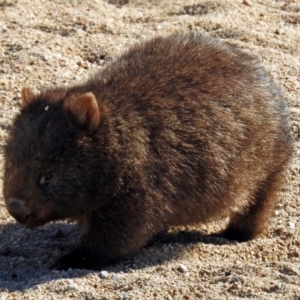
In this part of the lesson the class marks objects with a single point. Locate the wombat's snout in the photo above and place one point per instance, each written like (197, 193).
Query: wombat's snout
(18, 210)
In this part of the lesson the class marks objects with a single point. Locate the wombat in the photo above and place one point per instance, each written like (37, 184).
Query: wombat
(178, 130)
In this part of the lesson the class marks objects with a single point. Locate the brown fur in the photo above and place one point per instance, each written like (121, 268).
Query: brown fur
(178, 130)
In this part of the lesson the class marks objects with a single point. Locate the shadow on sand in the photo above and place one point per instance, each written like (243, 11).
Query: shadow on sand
(26, 256)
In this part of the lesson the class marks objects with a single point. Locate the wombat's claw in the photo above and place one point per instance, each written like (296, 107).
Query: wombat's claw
(60, 265)
(71, 260)
(78, 260)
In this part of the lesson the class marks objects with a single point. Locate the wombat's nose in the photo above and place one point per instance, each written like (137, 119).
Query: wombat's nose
(17, 209)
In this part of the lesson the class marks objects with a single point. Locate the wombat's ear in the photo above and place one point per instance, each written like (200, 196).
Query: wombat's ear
(84, 109)
(27, 96)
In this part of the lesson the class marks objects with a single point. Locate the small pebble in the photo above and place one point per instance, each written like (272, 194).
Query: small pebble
(45, 57)
(182, 268)
(103, 274)
(139, 15)
(247, 2)
(278, 285)
(71, 287)
(291, 225)
(117, 277)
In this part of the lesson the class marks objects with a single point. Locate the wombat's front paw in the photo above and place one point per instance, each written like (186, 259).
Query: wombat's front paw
(76, 260)
(71, 260)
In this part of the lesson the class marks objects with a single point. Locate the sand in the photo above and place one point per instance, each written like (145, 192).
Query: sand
(44, 43)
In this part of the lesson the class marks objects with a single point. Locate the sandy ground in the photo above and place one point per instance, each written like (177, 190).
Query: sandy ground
(45, 42)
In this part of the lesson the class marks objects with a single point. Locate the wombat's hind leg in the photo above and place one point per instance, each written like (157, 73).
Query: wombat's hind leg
(250, 223)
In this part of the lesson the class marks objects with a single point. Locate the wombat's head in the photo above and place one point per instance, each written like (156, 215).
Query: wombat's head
(49, 157)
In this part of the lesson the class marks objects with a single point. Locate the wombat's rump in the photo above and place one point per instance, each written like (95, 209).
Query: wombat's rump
(179, 130)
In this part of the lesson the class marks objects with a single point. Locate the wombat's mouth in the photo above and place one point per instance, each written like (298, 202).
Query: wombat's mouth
(33, 221)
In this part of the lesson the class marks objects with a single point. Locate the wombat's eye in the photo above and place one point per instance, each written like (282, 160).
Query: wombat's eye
(46, 178)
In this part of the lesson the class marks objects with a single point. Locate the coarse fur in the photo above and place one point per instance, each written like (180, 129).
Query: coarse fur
(179, 130)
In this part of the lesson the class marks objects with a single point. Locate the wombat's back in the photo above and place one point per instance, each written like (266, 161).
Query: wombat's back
(201, 125)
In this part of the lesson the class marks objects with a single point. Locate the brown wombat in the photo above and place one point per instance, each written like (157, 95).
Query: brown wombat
(179, 130)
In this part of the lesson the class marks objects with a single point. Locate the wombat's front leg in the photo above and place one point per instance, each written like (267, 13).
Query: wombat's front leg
(90, 254)
(110, 236)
